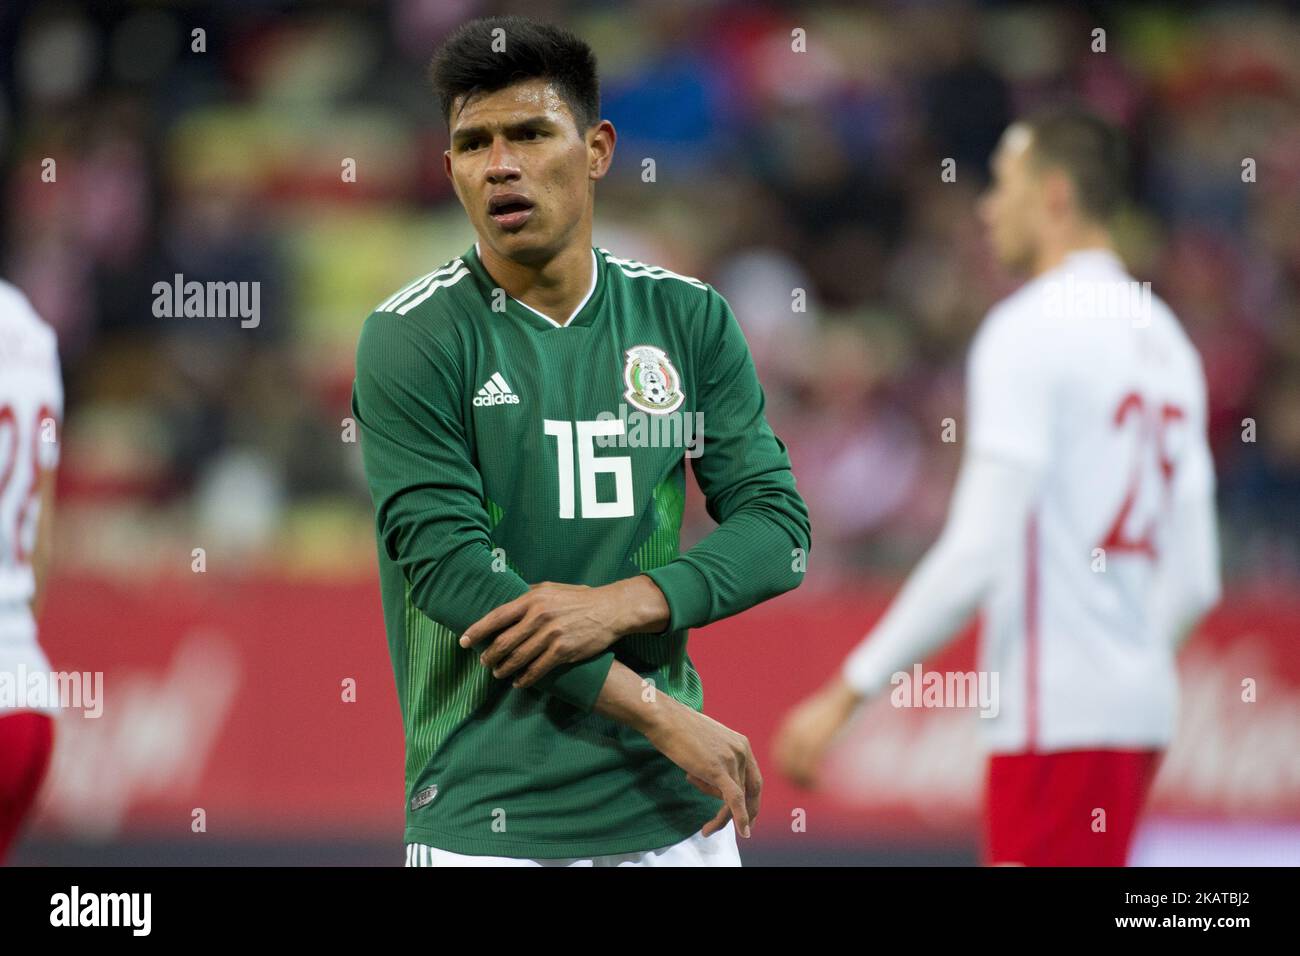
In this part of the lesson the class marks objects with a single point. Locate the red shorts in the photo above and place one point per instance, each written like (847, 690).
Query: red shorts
(1076, 808)
(26, 741)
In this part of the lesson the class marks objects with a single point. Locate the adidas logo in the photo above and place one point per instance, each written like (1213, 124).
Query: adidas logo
(495, 392)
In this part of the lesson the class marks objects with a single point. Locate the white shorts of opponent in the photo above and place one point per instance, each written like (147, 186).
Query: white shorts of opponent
(717, 850)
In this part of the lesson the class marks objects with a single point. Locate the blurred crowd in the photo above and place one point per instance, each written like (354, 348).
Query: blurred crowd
(212, 140)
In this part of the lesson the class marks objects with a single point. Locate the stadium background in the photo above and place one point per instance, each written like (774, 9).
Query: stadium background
(774, 170)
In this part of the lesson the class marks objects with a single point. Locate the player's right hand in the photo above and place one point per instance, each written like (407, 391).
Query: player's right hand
(717, 760)
(808, 731)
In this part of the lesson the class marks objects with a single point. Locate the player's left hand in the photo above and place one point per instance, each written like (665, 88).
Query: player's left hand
(808, 730)
(552, 624)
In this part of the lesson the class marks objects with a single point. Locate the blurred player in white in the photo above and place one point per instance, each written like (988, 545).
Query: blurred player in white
(31, 408)
(1082, 520)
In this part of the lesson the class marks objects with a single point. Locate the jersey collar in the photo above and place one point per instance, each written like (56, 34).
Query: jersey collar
(581, 315)
(1084, 257)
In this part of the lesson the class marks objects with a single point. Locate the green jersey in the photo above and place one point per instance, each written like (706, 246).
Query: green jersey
(503, 449)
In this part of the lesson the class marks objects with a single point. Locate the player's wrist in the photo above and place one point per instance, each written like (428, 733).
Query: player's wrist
(632, 700)
(845, 695)
(658, 715)
(639, 606)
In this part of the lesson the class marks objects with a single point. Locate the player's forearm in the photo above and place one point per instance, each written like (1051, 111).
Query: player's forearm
(462, 587)
(990, 506)
(760, 547)
(1189, 585)
(716, 759)
(939, 596)
(629, 699)
(638, 606)
(756, 553)
(457, 587)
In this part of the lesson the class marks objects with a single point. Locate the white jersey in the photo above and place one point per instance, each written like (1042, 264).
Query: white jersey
(1087, 378)
(31, 415)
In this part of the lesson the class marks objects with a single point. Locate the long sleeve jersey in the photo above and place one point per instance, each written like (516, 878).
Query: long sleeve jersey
(503, 449)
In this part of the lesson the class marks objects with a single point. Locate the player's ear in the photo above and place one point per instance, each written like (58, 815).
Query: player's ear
(446, 168)
(600, 148)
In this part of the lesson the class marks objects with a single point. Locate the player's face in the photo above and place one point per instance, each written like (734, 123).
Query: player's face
(521, 169)
(1012, 206)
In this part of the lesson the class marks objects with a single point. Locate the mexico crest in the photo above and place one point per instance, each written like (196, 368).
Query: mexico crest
(653, 385)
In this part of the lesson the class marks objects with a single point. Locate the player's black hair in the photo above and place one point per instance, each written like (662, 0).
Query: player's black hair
(491, 53)
(1091, 151)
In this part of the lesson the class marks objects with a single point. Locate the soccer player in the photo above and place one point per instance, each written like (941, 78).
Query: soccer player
(526, 411)
(31, 405)
(1082, 519)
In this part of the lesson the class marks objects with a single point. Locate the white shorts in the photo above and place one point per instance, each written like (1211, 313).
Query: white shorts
(717, 850)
